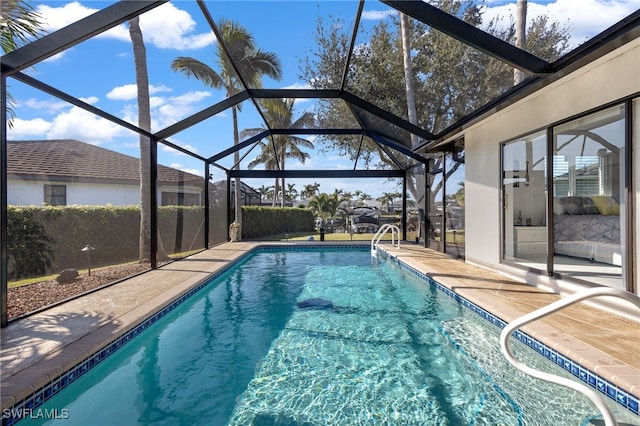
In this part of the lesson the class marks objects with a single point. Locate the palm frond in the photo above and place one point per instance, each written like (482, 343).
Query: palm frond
(199, 70)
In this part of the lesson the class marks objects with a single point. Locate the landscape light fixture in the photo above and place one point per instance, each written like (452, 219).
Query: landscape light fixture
(88, 249)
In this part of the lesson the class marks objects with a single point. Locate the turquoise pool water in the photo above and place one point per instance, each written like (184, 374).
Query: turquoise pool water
(391, 350)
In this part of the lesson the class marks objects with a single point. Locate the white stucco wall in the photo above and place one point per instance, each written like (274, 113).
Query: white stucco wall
(31, 193)
(609, 79)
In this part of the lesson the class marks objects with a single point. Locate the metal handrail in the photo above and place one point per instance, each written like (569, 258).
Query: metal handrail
(593, 396)
(384, 228)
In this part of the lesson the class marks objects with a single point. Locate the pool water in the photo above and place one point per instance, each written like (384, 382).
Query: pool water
(391, 350)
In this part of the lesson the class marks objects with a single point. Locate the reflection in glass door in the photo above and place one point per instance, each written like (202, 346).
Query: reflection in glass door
(589, 179)
(435, 202)
(445, 201)
(454, 202)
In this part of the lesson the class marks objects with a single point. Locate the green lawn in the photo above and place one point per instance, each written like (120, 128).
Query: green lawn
(336, 236)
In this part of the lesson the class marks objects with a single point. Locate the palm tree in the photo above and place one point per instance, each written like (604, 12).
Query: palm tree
(264, 191)
(324, 205)
(347, 196)
(520, 41)
(252, 63)
(310, 190)
(144, 122)
(291, 193)
(279, 113)
(385, 199)
(19, 22)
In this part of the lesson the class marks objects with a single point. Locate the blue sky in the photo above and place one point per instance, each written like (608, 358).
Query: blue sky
(101, 72)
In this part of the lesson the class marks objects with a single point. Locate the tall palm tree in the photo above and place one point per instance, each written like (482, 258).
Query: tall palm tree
(279, 113)
(521, 40)
(19, 22)
(144, 122)
(252, 64)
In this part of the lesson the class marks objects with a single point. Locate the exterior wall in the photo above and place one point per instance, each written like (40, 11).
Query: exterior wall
(611, 78)
(31, 193)
(636, 183)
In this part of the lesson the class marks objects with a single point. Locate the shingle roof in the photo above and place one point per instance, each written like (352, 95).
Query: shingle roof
(65, 158)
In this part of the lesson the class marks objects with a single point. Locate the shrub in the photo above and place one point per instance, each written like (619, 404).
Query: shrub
(28, 245)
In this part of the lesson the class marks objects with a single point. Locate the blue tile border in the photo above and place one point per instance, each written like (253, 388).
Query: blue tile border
(29, 405)
(605, 387)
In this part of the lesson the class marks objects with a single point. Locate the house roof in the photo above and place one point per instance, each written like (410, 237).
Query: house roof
(67, 159)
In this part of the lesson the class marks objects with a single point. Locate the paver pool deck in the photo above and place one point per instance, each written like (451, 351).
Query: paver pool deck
(37, 349)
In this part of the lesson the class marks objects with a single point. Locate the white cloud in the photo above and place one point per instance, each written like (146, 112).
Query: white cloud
(128, 92)
(48, 106)
(26, 129)
(298, 85)
(190, 97)
(166, 26)
(91, 100)
(376, 15)
(123, 93)
(170, 150)
(164, 110)
(55, 18)
(82, 125)
(585, 21)
(74, 123)
(179, 166)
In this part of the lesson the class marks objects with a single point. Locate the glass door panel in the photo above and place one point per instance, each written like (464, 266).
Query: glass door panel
(524, 201)
(435, 203)
(588, 190)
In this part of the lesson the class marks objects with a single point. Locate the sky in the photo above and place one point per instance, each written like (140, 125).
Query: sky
(100, 71)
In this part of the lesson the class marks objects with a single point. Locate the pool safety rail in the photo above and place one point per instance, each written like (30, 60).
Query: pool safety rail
(593, 396)
(395, 237)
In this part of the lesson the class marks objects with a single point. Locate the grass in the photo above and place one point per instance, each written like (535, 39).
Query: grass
(335, 236)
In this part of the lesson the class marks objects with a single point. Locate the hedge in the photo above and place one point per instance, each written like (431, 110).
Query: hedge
(43, 240)
(262, 221)
(50, 239)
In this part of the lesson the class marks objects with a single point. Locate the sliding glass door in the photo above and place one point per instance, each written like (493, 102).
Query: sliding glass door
(586, 201)
(524, 201)
(589, 198)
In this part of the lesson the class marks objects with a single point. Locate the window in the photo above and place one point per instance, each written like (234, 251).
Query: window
(55, 195)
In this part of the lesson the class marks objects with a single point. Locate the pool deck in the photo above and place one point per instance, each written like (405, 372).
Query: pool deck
(36, 350)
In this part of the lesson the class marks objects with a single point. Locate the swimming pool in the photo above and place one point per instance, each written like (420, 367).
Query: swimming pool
(390, 349)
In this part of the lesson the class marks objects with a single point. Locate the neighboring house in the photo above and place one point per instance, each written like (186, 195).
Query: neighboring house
(70, 172)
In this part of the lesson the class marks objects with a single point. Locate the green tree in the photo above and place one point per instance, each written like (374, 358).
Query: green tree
(450, 78)
(310, 190)
(28, 245)
(264, 191)
(19, 22)
(279, 113)
(292, 192)
(252, 62)
(325, 205)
